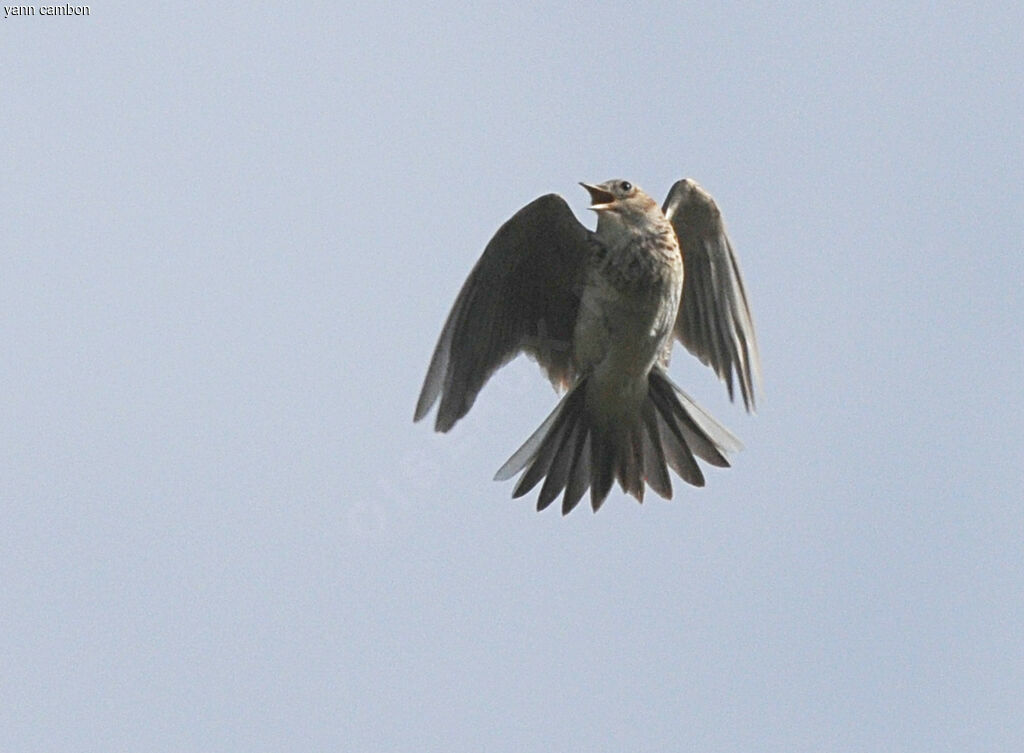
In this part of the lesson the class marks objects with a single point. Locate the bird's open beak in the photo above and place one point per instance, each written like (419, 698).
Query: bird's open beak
(599, 198)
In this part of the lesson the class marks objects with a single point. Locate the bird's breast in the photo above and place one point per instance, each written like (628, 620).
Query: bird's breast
(627, 311)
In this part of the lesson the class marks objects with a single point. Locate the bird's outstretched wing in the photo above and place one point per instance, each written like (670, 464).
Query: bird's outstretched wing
(714, 321)
(522, 295)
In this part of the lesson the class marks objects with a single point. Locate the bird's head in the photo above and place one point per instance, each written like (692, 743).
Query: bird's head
(621, 204)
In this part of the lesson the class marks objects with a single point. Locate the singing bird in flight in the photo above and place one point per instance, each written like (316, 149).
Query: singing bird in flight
(599, 311)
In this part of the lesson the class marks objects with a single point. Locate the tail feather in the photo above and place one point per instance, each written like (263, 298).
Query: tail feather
(561, 467)
(678, 455)
(571, 451)
(602, 469)
(655, 468)
(579, 479)
(539, 450)
(542, 460)
(631, 463)
(531, 447)
(705, 438)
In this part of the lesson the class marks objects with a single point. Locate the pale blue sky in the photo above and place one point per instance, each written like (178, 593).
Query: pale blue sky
(229, 239)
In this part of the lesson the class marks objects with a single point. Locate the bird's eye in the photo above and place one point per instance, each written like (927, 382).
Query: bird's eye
(626, 185)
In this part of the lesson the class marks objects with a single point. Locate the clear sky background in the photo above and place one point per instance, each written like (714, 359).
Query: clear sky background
(230, 235)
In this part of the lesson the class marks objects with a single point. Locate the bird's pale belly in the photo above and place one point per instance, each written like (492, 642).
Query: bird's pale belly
(618, 338)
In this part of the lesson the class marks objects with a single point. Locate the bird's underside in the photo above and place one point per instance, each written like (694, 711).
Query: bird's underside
(599, 310)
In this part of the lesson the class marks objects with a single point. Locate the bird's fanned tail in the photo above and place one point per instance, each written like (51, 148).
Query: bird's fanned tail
(571, 452)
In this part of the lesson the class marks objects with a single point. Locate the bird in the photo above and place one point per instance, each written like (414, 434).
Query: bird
(599, 310)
